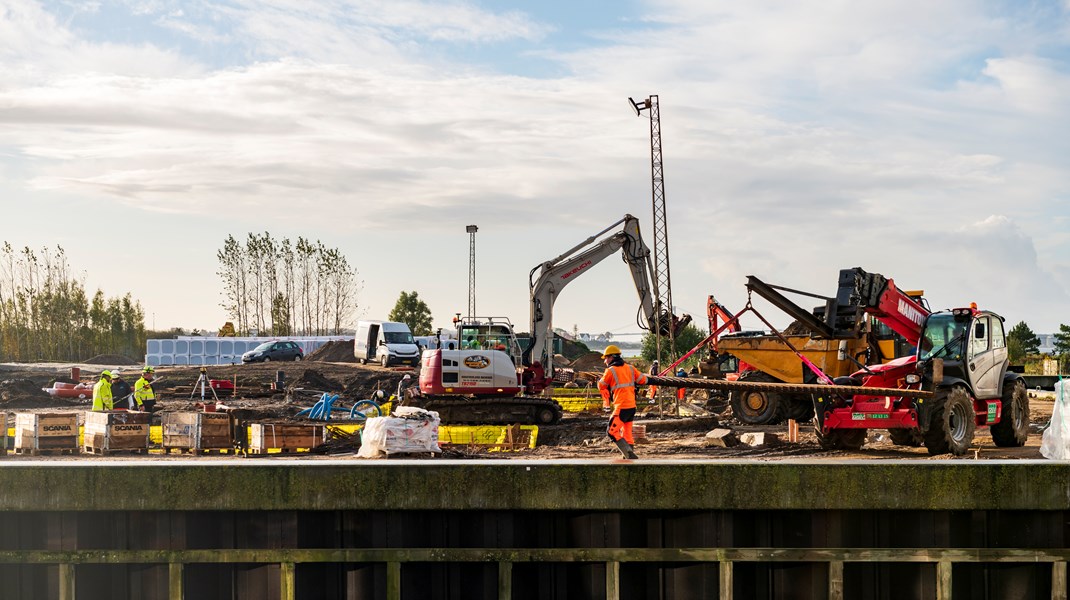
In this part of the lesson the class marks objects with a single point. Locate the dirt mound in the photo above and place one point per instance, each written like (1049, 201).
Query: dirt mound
(591, 361)
(26, 393)
(336, 351)
(311, 379)
(363, 384)
(110, 359)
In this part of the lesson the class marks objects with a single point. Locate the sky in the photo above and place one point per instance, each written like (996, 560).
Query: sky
(926, 141)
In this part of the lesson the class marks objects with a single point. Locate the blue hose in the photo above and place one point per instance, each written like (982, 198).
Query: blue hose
(325, 405)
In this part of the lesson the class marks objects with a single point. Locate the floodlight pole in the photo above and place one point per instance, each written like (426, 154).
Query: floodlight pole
(471, 229)
(662, 280)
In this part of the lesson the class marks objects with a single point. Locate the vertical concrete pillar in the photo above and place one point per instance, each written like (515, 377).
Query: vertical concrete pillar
(835, 580)
(1058, 580)
(613, 580)
(725, 580)
(943, 580)
(287, 587)
(505, 581)
(174, 581)
(66, 581)
(393, 580)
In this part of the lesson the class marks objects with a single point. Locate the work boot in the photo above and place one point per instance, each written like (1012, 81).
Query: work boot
(625, 449)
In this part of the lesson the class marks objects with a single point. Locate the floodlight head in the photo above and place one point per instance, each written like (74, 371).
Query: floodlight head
(639, 106)
(471, 229)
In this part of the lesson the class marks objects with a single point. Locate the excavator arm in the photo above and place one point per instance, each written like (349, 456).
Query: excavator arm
(717, 314)
(555, 274)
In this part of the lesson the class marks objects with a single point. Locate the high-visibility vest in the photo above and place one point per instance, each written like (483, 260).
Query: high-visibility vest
(618, 384)
(102, 395)
(143, 391)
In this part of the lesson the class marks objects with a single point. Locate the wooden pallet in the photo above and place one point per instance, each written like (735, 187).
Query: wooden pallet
(46, 451)
(198, 451)
(110, 451)
(274, 451)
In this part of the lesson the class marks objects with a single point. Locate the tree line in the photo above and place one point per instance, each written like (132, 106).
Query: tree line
(46, 315)
(1023, 342)
(277, 287)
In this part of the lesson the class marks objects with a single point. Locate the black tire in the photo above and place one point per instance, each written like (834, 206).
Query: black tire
(757, 408)
(267, 359)
(951, 424)
(297, 358)
(1013, 426)
(363, 361)
(907, 437)
(384, 360)
(841, 439)
(800, 408)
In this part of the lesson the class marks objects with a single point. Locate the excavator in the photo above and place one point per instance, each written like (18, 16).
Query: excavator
(490, 379)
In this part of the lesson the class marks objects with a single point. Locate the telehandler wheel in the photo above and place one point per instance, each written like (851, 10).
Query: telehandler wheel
(906, 437)
(841, 439)
(951, 424)
(1013, 426)
(757, 407)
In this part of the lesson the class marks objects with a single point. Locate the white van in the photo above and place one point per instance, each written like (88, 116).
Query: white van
(442, 341)
(386, 343)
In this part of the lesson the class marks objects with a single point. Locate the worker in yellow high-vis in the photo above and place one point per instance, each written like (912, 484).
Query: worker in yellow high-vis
(102, 392)
(144, 395)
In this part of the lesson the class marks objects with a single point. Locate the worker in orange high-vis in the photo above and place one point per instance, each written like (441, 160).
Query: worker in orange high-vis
(681, 393)
(618, 385)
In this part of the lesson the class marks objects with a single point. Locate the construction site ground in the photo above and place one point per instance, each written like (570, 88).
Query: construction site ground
(577, 436)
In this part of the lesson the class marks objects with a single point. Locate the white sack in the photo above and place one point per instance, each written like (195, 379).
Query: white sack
(412, 430)
(1055, 443)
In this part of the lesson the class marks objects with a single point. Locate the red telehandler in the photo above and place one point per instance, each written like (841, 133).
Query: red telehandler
(961, 357)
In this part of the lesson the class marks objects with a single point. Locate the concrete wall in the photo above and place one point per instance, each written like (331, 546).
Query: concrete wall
(194, 350)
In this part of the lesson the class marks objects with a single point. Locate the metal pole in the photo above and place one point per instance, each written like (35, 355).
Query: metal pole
(472, 229)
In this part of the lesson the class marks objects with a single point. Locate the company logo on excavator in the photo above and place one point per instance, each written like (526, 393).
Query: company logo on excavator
(576, 269)
(476, 361)
(910, 312)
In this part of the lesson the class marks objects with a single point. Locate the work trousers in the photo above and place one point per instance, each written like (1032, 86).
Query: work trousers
(620, 425)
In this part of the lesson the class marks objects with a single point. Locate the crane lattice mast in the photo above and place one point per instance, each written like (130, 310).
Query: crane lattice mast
(662, 278)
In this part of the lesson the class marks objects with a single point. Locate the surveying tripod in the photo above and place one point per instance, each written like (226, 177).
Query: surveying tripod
(202, 379)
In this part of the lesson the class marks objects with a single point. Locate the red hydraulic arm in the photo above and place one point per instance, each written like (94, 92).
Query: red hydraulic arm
(878, 296)
(717, 314)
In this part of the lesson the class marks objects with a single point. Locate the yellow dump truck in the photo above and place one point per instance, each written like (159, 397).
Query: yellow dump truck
(766, 359)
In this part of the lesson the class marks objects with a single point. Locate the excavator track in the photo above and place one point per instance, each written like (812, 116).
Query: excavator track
(527, 410)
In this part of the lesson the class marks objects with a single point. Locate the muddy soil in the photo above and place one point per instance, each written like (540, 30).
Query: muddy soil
(301, 384)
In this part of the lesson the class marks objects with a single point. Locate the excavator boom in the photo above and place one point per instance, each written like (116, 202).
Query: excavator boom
(555, 274)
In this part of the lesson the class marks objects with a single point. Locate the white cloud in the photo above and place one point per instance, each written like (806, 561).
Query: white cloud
(798, 139)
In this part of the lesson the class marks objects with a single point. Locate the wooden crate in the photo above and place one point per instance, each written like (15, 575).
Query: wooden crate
(287, 437)
(198, 431)
(52, 432)
(115, 430)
